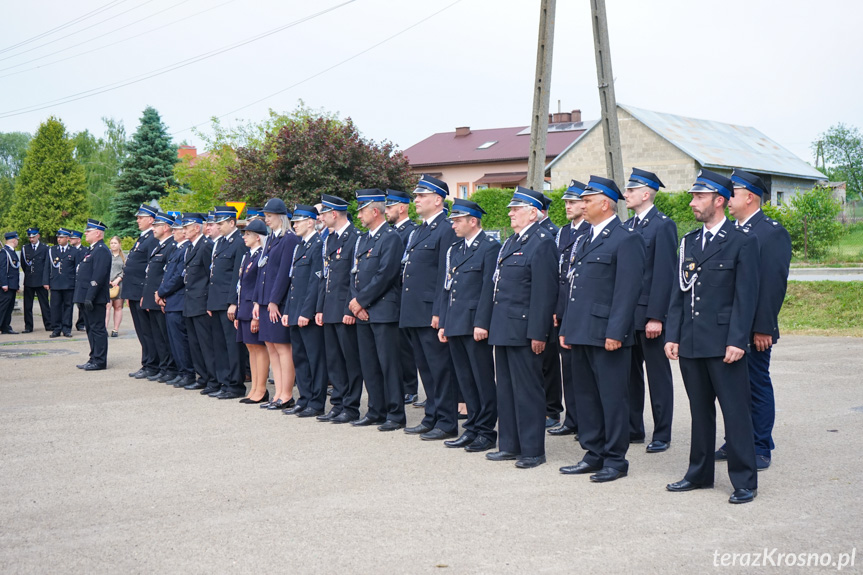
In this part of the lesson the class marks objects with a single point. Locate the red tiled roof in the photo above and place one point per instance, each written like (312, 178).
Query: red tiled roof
(447, 148)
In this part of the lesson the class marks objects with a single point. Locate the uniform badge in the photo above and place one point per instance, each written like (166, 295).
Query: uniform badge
(93, 283)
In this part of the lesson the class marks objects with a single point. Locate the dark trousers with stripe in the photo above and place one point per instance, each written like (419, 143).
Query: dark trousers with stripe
(763, 403)
(310, 365)
(551, 376)
(159, 332)
(650, 354)
(382, 370)
(141, 320)
(42, 295)
(520, 400)
(435, 367)
(475, 375)
(179, 342)
(200, 333)
(343, 358)
(226, 353)
(97, 335)
(61, 310)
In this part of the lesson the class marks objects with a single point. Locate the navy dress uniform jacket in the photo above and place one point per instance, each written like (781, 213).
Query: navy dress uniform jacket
(566, 237)
(526, 289)
(172, 288)
(405, 230)
(336, 284)
(607, 274)
(59, 270)
(376, 282)
(307, 272)
(660, 251)
(227, 257)
(273, 278)
(468, 303)
(422, 277)
(92, 282)
(155, 272)
(11, 277)
(197, 278)
(34, 260)
(775, 248)
(719, 309)
(135, 269)
(248, 281)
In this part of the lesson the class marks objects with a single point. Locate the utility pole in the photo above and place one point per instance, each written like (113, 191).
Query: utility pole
(605, 77)
(541, 95)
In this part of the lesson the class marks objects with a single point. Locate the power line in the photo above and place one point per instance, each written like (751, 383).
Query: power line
(89, 14)
(324, 71)
(165, 69)
(77, 31)
(96, 38)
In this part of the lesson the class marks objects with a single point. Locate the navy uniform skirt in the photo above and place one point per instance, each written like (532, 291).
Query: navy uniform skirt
(272, 332)
(245, 335)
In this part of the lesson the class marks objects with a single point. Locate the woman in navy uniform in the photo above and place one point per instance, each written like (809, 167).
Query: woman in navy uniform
(709, 325)
(525, 290)
(247, 326)
(273, 283)
(59, 276)
(92, 284)
(464, 321)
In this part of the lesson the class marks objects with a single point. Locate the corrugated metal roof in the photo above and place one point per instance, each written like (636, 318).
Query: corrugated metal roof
(718, 145)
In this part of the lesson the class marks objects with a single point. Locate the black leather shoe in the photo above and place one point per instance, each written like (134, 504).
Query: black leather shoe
(344, 417)
(561, 430)
(140, 374)
(211, 392)
(230, 395)
(418, 429)
(530, 462)
(67, 335)
(419, 404)
(293, 408)
(195, 386)
(743, 495)
(390, 426)
(686, 485)
(27, 331)
(367, 421)
(186, 381)
(145, 374)
(177, 379)
(580, 468)
(607, 474)
(264, 399)
(410, 398)
(657, 446)
(155, 376)
(94, 367)
(762, 462)
(636, 439)
(720, 454)
(55, 334)
(83, 365)
(10, 332)
(436, 434)
(166, 377)
(501, 456)
(480, 444)
(551, 422)
(310, 412)
(463, 441)
(327, 416)
(279, 404)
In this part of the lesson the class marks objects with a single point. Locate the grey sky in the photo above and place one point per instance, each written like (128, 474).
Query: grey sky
(789, 68)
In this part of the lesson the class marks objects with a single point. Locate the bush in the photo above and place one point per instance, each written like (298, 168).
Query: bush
(810, 218)
(127, 243)
(675, 205)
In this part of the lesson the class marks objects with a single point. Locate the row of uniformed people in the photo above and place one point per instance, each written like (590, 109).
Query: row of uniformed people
(49, 276)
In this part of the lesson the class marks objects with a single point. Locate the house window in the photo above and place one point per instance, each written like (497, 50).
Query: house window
(481, 187)
(487, 145)
(462, 190)
(780, 198)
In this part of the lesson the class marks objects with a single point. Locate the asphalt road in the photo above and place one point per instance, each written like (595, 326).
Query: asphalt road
(100, 473)
(822, 274)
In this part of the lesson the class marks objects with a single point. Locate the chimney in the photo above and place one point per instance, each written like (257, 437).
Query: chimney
(561, 117)
(187, 152)
(462, 131)
(575, 116)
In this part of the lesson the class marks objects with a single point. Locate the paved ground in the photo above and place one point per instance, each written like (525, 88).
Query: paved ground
(100, 473)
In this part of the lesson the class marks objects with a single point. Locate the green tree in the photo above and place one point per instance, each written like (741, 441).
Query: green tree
(101, 158)
(811, 220)
(842, 149)
(146, 173)
(50, 190)
(13, 149)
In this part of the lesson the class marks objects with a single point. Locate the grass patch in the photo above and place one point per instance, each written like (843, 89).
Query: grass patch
(823, 308)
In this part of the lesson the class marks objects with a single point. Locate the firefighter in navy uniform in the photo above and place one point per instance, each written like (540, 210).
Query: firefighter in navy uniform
(10, 281)
(340, 329)
(59, 276)
(598, 326)
(375, 296)
(422, 283)
(92, 283)
(75, 242)
(775, 248)
(464, 322)
(660, 244)
(196, 278)
(565, 240)
(34, 256)
(398, 204)
(710, 320)
(525, 292)
(153, 275)
(171, 296)
(132, 288)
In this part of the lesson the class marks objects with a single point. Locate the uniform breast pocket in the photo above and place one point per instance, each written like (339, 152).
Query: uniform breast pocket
(721, 273)
(598, 265)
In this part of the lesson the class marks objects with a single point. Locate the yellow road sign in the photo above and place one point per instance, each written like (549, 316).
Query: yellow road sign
(238, 205)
